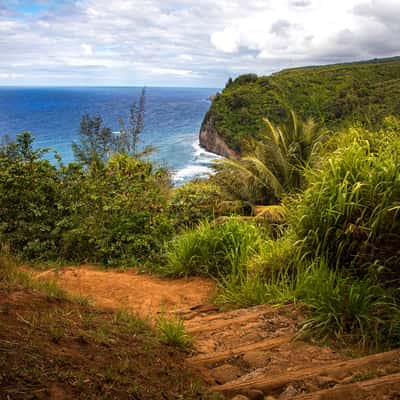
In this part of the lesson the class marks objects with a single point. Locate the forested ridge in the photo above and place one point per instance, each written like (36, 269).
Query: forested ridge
(335, 95)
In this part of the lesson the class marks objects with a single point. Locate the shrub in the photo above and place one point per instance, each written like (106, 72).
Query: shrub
(119, 214)
(193, 202)
(113, 214)
(28, 201)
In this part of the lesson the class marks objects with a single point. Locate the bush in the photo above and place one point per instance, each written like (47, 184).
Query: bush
(111, 214)
(118, 215)
(193, 202)
(349, 215)
(213, 249)
(29, 194)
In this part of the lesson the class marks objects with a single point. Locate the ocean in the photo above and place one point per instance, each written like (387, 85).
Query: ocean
(172, 120)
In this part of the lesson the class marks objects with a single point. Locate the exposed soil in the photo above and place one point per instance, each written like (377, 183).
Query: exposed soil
(251, 352)
(54, 349)
(142, 294)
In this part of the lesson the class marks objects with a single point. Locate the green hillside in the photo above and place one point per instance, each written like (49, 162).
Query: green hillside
(334, 94)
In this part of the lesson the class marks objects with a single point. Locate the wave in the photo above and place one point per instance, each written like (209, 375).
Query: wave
(199, 166)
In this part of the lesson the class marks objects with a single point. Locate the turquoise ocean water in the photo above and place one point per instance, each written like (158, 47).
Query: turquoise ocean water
(172, 120)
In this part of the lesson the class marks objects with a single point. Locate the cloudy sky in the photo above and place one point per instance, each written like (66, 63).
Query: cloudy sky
(185, 42)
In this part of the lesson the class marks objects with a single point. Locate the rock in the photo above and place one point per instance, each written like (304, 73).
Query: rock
(257, 359)
(213, 142)
(289, 392)
(255, 394)
(240, 397)
(226, 373)
(325, 382)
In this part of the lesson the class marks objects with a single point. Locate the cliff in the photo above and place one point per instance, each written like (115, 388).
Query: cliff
(213, 142)
(335, 95)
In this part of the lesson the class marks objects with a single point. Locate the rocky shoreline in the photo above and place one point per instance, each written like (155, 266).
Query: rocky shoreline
(213, 142)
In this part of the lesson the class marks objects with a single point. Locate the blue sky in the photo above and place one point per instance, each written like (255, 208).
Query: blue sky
(185, 42)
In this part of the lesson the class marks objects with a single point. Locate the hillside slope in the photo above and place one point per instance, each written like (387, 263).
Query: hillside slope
(335, 94)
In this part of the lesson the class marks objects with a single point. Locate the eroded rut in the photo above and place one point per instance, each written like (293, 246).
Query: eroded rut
(249, 353)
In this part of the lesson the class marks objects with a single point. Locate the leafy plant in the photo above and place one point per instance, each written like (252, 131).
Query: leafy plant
(193, 202)
(273, 164)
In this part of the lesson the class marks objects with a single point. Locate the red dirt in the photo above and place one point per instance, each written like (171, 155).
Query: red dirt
(242, 350)
(143, 294)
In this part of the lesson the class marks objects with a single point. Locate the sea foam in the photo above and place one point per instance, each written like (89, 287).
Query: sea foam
(198, 167)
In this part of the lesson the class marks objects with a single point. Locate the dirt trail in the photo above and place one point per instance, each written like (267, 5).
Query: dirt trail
(143, 294)
(248, 352)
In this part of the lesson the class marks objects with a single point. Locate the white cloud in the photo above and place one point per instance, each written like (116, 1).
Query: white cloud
(188, 42)
(227, 41)
(87, 49)
(8, 76)
(170, 71)
(186, 57)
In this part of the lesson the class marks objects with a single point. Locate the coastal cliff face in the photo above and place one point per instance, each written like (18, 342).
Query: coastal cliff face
(213, 142)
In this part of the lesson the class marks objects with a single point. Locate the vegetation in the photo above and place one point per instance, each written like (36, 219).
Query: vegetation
(337, 250)
(213, 249)
(111, 213)
(57, 347)
(172, 332)
(335, 95)
(327, 207)
(272, 165)
(349, 214)
(195, 201)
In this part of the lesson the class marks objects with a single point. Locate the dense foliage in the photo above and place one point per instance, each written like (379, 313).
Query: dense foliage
(213, 249)
(273, 165)
(350, 213)
(111, 211)
(193, 202)
(338, 251)
(335, 95)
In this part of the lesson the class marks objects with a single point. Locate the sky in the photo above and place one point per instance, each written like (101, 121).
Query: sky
(194, 43)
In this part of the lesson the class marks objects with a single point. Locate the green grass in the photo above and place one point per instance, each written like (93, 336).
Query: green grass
(357, 310)
(350, 213)
(213, 249)
(172, 332)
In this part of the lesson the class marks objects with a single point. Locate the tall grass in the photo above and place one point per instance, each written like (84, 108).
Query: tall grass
(358, 310)
(214, 249)
(267, 277)
(350, 213)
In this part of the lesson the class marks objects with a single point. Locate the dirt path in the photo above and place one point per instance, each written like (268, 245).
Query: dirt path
(250, 353)
(143, 294)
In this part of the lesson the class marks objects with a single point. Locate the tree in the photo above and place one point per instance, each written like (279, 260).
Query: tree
(274, 164)
(96, 142)
(127, 142)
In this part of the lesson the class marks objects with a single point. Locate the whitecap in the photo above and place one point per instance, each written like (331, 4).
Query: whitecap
(198, 167)
(190, 172)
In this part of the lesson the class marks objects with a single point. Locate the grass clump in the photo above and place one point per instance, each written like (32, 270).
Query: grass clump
(172, 332)
(348, 309)
(350, 213)
(213, 249)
